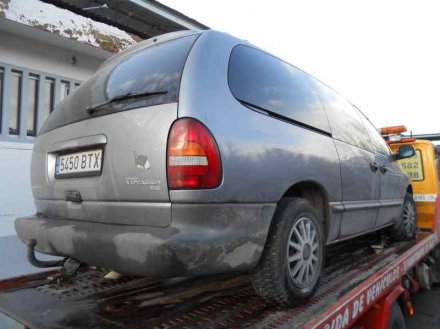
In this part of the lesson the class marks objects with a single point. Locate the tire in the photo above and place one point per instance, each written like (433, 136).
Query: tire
(274, 277)
(397, 321)
(406, 227)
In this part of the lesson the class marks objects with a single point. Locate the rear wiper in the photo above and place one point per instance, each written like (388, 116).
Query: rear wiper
(95, 108)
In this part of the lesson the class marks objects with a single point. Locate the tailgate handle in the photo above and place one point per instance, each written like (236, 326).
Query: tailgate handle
(73, 196)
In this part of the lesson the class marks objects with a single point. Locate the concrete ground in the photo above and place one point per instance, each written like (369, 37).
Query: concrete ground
(427, 310)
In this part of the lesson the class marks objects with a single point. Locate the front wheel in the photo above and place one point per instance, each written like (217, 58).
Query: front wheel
(292, 260)
(406, 227)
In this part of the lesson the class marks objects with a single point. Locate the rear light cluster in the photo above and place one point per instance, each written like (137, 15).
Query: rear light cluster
(193, 158)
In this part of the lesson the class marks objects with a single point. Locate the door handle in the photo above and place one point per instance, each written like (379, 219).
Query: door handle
(374, 166)
(383, 169)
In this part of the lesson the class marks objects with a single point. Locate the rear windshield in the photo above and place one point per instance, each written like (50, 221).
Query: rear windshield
(155, 70)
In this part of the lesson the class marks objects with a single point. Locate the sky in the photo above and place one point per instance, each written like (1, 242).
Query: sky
(383, 56)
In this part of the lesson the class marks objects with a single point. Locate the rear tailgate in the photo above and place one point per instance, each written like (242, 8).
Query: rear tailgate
(132, 186)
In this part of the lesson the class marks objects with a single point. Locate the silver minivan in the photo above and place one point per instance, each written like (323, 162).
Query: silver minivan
(195, 153)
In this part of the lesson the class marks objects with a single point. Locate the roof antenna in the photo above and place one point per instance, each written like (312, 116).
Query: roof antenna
(96, 7)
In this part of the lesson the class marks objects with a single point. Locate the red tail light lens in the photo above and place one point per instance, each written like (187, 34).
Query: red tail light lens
(193, 158)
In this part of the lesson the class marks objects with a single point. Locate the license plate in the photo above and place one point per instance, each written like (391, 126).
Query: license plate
(79, 164)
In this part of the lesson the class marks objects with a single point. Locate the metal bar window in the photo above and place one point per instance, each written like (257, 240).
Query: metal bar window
(49, 96)
(27, 97)
(33, 82)
(15, 103)
(65, 89)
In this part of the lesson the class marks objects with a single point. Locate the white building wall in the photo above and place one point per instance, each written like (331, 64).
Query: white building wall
(15, 191)
(39, 56)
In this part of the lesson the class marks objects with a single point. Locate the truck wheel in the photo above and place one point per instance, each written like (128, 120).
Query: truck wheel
(397, 320)
(292, 260)
(406, 227)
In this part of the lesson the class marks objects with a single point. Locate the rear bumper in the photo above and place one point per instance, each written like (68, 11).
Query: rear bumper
(201, 239)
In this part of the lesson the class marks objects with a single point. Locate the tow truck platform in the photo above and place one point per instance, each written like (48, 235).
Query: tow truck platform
(358, 274)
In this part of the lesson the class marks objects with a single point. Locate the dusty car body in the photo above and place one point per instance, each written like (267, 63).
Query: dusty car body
(124, 215)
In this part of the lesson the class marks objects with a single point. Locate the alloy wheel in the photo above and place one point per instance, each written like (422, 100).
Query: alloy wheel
(409, 217)
(303, 252)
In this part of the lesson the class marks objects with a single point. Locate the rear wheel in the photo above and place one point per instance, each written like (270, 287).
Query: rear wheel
(406, 228)
(289, 269)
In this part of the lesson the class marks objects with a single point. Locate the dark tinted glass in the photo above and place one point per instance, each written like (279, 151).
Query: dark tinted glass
(154, 69)
(378, 143)
(345, 121)
(151, 69)
(267, 82)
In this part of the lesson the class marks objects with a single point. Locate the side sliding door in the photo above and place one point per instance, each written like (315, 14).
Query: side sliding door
(359, 170)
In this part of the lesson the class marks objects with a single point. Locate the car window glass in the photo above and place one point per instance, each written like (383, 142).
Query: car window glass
(344, 120)
(153, 69)
(157, 68)
(378, 143)
(267, 82)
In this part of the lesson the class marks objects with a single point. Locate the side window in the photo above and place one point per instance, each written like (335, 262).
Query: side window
(267, 82)
(344, 120)
(378, 143)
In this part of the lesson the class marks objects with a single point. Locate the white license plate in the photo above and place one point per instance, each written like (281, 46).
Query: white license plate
(78, 164)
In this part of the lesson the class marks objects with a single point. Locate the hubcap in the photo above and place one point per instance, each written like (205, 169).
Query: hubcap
(409, 217)
(303, 252)
(306, 252)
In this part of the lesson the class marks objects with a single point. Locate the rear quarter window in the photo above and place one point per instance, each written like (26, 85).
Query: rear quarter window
(271, 84)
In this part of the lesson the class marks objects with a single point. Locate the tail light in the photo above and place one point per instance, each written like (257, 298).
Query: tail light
(193, 158)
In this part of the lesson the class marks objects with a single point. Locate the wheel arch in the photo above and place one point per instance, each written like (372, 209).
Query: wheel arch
(316, 194)
(409, 189)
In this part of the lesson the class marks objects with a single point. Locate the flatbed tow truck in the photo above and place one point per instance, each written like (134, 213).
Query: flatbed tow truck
(367, 283)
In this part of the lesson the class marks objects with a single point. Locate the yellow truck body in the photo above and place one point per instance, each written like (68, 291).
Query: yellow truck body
(423, 169)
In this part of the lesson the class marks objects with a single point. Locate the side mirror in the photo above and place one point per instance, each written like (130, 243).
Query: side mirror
(405, 151)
